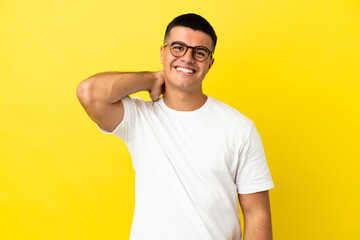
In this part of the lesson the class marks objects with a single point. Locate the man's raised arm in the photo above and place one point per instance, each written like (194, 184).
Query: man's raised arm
(101, 93)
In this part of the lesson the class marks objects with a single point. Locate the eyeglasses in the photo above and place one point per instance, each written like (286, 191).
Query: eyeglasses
(179, 49)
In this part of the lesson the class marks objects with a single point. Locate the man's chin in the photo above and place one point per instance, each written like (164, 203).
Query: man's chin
(183, 86)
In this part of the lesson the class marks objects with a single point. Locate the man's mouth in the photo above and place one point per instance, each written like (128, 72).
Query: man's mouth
(185, 70)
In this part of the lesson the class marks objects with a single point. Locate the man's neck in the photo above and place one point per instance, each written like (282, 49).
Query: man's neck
(184, 101)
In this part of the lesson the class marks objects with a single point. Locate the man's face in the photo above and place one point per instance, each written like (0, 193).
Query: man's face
(174, 72)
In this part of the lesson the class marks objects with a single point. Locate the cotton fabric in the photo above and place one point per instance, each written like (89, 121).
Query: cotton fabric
(190, 167)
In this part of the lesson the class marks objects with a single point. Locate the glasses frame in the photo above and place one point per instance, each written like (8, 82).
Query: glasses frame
(187, 47)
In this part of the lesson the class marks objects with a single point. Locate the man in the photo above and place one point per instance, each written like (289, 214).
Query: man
(194, 156)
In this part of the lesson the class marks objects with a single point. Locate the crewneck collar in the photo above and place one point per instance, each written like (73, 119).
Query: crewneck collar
(185, 113)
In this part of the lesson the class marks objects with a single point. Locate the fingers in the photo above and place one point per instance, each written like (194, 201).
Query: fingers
(154, 95)
(158, 87)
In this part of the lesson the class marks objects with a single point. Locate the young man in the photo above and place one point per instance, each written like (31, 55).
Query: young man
(194, 156)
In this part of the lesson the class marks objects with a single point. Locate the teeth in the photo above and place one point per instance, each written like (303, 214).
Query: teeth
(184, 70)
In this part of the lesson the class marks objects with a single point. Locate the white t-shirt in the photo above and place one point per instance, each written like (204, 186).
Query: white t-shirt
(190, 167)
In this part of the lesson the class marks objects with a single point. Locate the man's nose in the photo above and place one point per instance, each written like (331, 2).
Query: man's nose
(188, 57)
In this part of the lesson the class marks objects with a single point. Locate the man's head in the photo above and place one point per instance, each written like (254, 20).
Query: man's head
(187, 52)
(194, 22)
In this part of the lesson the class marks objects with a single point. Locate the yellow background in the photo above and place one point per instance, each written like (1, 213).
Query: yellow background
(290, 66)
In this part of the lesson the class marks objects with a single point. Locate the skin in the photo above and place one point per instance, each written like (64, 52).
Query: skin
(257, 216)
(183, 90)
(101, 93)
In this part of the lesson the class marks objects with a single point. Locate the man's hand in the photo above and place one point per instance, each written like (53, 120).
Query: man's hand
(158, 87)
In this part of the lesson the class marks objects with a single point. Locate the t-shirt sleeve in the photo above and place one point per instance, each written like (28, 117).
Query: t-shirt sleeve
(253, 174)
(125, 130)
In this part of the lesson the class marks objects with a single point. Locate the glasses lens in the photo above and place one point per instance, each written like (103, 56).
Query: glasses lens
(200, 54)
(178, 49)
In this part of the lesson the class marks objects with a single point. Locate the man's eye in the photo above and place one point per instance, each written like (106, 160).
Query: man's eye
(178, 48)
(200, 53)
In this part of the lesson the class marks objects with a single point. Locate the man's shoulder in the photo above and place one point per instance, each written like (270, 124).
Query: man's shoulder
(137, 101)
(231, 117)
(229, 110)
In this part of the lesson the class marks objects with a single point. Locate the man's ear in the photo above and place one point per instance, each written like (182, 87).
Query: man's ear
(161, 54)
(211, 63)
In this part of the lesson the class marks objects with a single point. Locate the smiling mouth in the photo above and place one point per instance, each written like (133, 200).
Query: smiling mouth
(185, 70)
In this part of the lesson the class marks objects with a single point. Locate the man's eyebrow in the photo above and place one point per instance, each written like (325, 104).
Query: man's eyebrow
(203, 47)
(189, 45)
(198, 46)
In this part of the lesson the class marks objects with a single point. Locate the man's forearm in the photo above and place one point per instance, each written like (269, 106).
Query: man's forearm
(110, 87)
(258, 228)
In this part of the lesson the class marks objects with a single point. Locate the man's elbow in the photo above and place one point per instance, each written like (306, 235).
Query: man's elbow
(83, 92)
(90, 92)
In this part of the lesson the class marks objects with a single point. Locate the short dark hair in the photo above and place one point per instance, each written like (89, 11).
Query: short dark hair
(193, 21)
